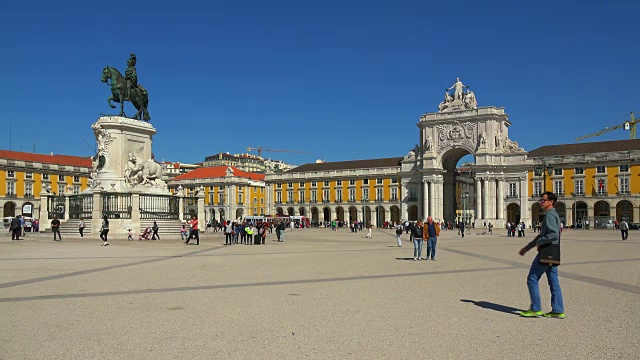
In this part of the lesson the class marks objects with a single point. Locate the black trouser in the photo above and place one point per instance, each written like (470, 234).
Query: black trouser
(55, 231)
(227, 238)
(625, 234)
(155, 233)
(81, 230)
(15, 234)
(194, 234)
(243, 237)
(103, 235)
(462, 232)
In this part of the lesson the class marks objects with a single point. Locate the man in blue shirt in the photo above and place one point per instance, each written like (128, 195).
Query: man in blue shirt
(549, 236)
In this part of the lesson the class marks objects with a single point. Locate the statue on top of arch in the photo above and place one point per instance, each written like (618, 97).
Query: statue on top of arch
(460, 100)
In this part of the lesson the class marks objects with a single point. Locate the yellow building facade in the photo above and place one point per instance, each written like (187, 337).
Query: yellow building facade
(23, 176)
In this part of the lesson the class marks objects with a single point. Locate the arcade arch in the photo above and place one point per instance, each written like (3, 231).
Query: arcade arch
(624, 211)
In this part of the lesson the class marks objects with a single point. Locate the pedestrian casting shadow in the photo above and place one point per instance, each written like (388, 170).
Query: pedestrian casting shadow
(492, 306)
(404, 259)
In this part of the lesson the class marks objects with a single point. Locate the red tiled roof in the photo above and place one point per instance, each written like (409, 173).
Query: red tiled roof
(47, 159)
(216, 172)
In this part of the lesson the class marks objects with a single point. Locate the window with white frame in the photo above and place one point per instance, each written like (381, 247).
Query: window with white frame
(352, 194)
(261, 201)
(314, 195)
(326, 183)
(537, 172)
(314, 184)
(301, 196)
(557, 187)
(413, 191)
(76, 178)
(290, 185)
(394, 194)
(365, 181)
(301, 184)
(378, 194)
(557, 171)
(601, 186)
(338, 195)
(11, 188)
(255, 211)
(624, 185)
(28, 175)
(210, 198)
(11, 174)
(279, 197)
(278, 186)
(394, 180)
(61, 178)
(261, 211)
(537, 188)
(623, 168)
(601, 170)
(579, 171)
(290, 195)
(255, 200)
(76, 189)
(325, 195)
(365, 194)
(352, 182)
(60, 189)
(578, 187)
(338, 182)
(513, 190)
(45, 176)
(239, 198)
(28, 189)
(239, 188)
(379, 181)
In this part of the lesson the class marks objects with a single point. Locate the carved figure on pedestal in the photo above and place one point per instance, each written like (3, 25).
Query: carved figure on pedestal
(428, 144)
(141, 172)
(447, 101)
(470, 100)
(483, 139)
(498, 140)
(457, 89)
(511, 146)
(103, 140)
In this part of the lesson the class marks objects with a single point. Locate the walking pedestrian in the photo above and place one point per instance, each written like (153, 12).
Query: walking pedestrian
(431, 231)
(418, 240)
(155, 229)
(104, 230)
(369, 229)
(461, 227)
(280, 230)
(548, 241)
(14, 227)
(399, 229)
(194, 231)
(81, 227)
(624, 230)
(55, 228)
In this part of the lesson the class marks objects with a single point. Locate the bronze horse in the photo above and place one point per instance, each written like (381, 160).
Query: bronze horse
(139, 97)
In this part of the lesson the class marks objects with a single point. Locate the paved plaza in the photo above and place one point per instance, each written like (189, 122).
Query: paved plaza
(319, 295)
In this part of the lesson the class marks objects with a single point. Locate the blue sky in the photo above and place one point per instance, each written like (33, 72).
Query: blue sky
(341, 80)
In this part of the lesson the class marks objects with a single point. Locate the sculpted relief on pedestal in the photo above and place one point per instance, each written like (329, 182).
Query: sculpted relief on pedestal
(143, 172)
(456, 134)
(103, 139)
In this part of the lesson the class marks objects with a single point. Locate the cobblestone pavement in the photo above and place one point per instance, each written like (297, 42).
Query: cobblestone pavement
(318, 295)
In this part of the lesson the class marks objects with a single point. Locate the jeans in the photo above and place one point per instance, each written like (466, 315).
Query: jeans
(625, 234)
(399, 239)
(417, 247)
(281, 235)
(55, 231)
(431, 247)
(535, 273)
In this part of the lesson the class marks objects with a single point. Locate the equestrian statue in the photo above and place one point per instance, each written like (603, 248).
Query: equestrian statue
(127, 88)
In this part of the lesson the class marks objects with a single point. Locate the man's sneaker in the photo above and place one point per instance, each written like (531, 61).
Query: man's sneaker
(554, 315)
(415, 259)
(530, 313)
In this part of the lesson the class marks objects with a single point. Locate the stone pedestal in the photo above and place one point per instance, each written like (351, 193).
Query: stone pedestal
(120, 139)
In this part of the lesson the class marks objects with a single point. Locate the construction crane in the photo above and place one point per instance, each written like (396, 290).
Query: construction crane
(260, 150)
(627, 125)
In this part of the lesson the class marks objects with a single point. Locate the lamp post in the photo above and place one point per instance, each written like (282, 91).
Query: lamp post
(544, 169)
(464, 198)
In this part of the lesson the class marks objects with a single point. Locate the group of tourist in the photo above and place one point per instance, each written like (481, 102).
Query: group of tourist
(512, 228)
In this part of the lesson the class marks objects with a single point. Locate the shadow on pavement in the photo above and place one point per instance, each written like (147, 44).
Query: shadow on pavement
(494, 307)
(409, 258)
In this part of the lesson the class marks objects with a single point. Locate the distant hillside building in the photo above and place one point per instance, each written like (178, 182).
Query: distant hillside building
(173, 169)
(244, 162)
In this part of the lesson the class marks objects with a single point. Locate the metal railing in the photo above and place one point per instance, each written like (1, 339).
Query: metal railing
(190, 208)
(55, 206)
(116, 205)
(80, 206)
(159, 207)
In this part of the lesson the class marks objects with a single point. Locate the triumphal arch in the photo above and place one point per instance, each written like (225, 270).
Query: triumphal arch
(458, 128)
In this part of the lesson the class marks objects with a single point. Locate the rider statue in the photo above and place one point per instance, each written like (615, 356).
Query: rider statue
(131, 75)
